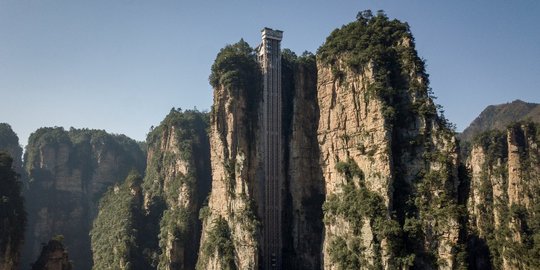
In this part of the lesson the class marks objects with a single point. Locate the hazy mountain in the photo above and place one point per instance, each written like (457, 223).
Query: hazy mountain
(498, 117)
(68, 172)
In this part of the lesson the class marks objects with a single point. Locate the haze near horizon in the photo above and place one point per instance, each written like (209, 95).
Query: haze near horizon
(122, 65)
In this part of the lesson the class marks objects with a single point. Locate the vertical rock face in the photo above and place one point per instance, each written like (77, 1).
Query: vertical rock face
(53, 257)
(363, 135)
(304, 184)
(154, 224)
(68, 172)
(231, 234)
(176, 184)
(503, 204)
(230, 237)
(389, 162)
(12, 215)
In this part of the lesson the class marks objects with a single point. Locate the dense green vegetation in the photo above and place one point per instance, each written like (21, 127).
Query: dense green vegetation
(7, 136)
(219, 243)
(424, 200)
(180, 141)
(189, 128)
(237, 70)
(165, 234)
(85, 149)
(356, 205)
(368, 39)
(517, 237)
(494, 144)
(176, 226)
(237, 81)
(9, 142)
(12, 214)
(83, 145)
(427, 206)
(116, 231)
(387, 47)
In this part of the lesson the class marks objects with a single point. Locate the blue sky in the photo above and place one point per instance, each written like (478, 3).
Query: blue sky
(121, 65)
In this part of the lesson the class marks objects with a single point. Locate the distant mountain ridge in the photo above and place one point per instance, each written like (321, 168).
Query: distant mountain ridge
(498, 117)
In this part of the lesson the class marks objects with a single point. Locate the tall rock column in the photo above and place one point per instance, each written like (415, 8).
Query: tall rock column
(176, 184)
(230, 237)
(304, 187)
(503, 202)
(389, 162)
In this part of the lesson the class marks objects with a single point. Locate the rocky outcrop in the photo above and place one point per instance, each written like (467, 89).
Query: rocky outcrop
(12, 215)
(53, 257)
(363, 135)
(304, 187)
(389, 162)
(9, 142)
(116, 232)
(68, 172)
(230, 223)
(176, 184)
(503, 204)
(154, 223)
(231, 235)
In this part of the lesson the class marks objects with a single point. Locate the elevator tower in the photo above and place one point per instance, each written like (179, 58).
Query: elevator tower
(269, 55)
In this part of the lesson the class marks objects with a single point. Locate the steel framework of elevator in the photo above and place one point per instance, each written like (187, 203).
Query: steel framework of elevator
(269, 55)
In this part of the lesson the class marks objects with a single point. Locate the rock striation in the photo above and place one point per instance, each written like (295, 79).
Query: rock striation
(304, 187)
(230, 236)
(365, 144)
(372, 177)
(176, 184)
(68, 171)
(503, 204)
(153, 223)
(389, 162)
